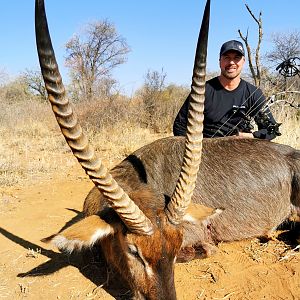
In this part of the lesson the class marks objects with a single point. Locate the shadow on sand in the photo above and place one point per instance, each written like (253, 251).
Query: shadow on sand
(90, 263)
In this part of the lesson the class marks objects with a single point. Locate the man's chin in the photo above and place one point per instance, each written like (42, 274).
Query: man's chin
(230, 75)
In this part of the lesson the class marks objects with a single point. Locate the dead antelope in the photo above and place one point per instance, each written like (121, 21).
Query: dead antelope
(140, 212)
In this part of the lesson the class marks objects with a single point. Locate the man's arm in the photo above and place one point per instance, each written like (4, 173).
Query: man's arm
(268, 128)
(180, 123)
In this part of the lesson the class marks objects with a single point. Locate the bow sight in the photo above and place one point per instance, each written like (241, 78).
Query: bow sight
(290, 67)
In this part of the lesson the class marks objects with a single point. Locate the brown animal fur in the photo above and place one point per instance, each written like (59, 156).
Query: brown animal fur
(249, 187)
(255, 183)
(129, 253)
(245, 188)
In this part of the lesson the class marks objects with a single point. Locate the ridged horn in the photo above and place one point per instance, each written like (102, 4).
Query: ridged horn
(129, 212)
(183, 192)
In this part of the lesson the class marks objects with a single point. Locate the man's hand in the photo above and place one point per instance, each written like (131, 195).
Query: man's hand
(248, 135)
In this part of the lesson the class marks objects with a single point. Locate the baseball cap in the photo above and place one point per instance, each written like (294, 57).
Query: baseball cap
(232, 45)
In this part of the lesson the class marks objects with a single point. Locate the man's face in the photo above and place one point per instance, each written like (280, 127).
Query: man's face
(231, 64)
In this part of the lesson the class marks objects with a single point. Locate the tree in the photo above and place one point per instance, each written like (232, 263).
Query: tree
(34, 81)
(151, 92)
(286, 45)
(93, 55)
(15, 91)
(158, 102)
(108, 88)
(254, 69)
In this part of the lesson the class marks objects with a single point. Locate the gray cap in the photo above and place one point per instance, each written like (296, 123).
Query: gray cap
(232, 45)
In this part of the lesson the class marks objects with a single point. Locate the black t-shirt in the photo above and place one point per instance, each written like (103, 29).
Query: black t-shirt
(227, 112)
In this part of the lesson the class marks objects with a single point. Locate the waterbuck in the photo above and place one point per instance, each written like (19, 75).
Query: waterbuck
(156, 206)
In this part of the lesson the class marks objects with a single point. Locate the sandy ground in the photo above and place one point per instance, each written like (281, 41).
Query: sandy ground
(29, 269)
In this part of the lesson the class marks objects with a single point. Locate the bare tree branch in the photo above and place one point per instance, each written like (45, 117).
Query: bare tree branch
(34, 81)
(255, 70)
(252, 15)
(94, 55)
(257, 53)
(286, 45)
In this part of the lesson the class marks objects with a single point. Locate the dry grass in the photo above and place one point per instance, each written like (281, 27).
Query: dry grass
(290, 127)
(30, 144)
(32, 147)
(289, 116)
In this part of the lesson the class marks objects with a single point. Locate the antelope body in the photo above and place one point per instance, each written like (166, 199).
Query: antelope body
(253, 184)
(152, 209)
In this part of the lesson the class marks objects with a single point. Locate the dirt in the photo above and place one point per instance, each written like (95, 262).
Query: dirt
(30, 269)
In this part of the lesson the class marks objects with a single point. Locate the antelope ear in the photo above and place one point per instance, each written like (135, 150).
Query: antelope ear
(82, 234)
(196, 213)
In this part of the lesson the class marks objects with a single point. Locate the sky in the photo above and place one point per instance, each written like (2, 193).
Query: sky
(162, 34)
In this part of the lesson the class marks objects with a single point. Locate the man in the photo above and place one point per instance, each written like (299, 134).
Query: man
(231, 102)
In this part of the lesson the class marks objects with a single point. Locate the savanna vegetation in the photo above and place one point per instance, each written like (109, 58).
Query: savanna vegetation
(41, 187)
(31, 145)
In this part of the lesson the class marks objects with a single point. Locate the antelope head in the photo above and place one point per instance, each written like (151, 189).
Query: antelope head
(138, 239)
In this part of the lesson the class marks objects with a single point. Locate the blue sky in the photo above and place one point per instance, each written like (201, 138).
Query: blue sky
(161, 33)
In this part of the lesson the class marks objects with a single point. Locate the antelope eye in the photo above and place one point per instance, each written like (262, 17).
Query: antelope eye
(133, 251)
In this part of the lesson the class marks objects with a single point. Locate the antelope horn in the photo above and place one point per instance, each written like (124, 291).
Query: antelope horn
(129, 212)
(183, 192)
